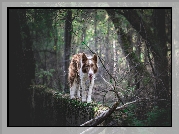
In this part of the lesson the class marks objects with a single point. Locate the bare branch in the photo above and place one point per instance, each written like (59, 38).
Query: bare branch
(106, 81)
(139, 100)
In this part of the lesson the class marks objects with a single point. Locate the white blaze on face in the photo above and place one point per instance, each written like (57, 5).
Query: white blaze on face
(91, 71)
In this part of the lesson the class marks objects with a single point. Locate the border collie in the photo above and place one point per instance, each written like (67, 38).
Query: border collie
(81, 69)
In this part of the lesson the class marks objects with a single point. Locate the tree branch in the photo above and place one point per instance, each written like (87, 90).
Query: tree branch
(139, 100)
(99, 119)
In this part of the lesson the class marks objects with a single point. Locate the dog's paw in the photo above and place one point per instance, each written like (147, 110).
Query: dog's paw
(72, 97)
(78, 96)
(83, 99)
(89, 100)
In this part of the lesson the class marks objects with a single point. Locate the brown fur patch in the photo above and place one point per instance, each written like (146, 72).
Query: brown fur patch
(74, 69)
(85, 67)
(95, 68)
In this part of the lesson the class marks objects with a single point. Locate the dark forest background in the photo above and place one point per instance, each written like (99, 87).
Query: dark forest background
(134, 46)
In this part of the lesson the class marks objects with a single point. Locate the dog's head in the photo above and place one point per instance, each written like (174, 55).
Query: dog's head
(89, 65)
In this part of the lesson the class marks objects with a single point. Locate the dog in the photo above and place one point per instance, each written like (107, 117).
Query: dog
(81, 69)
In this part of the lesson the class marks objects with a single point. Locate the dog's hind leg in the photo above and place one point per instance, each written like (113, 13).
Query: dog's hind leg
(78, 91)
(72, 90)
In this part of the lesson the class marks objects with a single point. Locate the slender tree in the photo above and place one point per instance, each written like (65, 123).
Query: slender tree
(67, 48)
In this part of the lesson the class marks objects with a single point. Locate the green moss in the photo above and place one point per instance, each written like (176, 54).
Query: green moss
(64, 105)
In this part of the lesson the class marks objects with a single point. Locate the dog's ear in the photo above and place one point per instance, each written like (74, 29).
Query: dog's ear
(95, 58)
(84, 58)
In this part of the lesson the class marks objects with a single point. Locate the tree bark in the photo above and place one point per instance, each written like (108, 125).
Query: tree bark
(67, 48)
(161, 62)
(95, 30)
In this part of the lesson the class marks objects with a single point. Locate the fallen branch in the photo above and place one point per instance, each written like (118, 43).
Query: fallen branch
(99, 119)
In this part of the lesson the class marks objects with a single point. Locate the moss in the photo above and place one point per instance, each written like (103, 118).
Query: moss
(57, 108)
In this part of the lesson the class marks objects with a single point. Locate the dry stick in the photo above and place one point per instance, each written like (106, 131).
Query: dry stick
(99, 119)
(110, 84)
(106, 81)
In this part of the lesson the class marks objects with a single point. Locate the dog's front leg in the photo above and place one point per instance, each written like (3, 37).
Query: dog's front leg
(83, 89)
(90, 90)
(72, 90)
(78, 91)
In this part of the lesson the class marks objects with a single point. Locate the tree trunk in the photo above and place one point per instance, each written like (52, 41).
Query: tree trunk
(68, 29)
(114, 58)
(95, 30)
(161, 61)
(21, 70)
(107, 50)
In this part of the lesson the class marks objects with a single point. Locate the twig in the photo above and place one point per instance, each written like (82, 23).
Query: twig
(106, 81)
(139, 100)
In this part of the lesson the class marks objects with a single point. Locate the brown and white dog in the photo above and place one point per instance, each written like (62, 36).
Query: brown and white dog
(82, 68)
